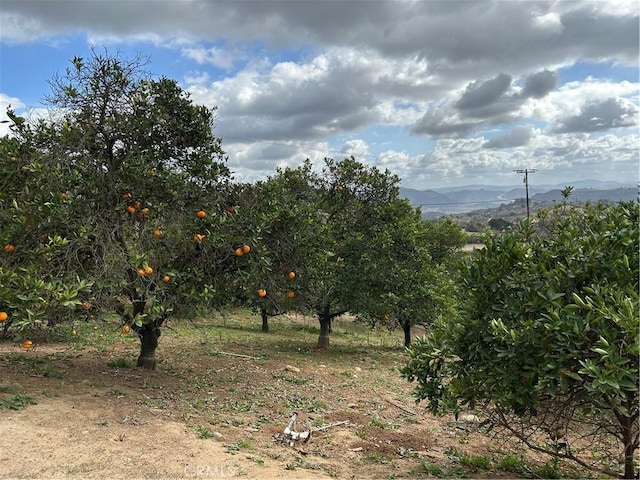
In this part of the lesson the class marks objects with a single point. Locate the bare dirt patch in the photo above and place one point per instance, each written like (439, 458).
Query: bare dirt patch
(209, 413)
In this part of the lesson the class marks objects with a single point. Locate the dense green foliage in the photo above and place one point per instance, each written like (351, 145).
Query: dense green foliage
(547, 328)
(121, 202)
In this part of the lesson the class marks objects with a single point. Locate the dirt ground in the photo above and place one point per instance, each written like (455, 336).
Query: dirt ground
(216, 409)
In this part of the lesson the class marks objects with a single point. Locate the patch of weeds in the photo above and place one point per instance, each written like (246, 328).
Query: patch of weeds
(17, 401)
(478, 462)
(513, 463)
(102, 423)
(246, 444)
(119, 363)
(299, 462)
(305, 404)
(378, 458)
(376, 422)
(548, 470)
(50, 372)
(411, 420)
(257, 459)
(118, 393)
(432, 469)
(236, 422)
(297, 380)
(204, 432)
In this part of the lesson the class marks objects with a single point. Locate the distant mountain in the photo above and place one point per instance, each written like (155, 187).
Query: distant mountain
(452, 200)
(424, 197)
(589, 195)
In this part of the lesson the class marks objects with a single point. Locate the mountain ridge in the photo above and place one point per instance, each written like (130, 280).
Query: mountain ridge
(450, 200)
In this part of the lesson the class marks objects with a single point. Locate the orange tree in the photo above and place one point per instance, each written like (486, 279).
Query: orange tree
(36, 290)
(284, 212)
(546, 339)
(391, 261)
(127, 187)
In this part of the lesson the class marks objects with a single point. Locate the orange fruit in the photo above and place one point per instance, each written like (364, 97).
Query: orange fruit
(85, 306)
(239, 252)
(9, 248)
(126, 329)
(166, 279)
(3, 316)
(201, 214)
(198, 237)
(126, 196)
(246, 249)
(148, 270)
(131, 209)
(157, 232)
(292, 275)
(290, 294)
(262, 292)
(141, 272)
(64, 196)
(27, 344)
(145, 211)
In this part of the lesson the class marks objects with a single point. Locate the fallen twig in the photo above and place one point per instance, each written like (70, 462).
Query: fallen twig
(398, 405)
(331, 425)
(236, 355)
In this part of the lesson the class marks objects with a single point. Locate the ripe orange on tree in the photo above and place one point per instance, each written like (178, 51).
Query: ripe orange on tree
(166, 279)
(292, 275)
(246, 248)
(201, 214)
(126, 329)
(198, 237)
(239, 252)
(3, 316)
(131, 209)
(141, 272)
(64, 196)
(126, 196)
(148, 270)
(290, 294)
(27, 344)
(85, 306)
(157, 232)
(9, 248)
(145, 210)
(262, 292)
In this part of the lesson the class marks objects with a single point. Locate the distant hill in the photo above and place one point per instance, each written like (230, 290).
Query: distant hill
(589, 195)
(441, 201)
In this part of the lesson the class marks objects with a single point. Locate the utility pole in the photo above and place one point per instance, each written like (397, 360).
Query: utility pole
(526, 172)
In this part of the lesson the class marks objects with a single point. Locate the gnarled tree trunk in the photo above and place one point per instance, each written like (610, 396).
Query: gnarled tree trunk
(149, 334)
(265, 320)
(324, 317)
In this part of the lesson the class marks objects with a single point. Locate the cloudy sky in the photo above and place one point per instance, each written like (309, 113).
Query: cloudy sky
(441, 93)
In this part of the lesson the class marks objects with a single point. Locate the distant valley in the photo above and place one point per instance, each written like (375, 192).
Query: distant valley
(438, 202)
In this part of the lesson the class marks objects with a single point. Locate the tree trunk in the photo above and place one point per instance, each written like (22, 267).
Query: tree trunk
(406, 328)
(630, 434)
(265, 320)
(325, 325)
(148, 334)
